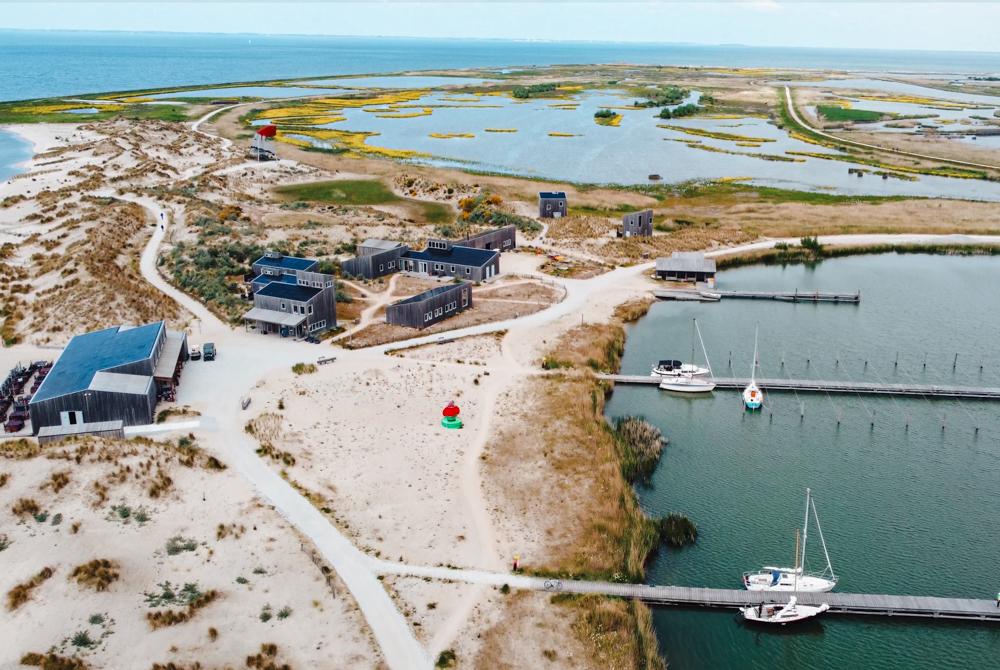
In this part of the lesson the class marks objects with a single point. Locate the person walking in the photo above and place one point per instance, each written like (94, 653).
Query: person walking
(998, 598)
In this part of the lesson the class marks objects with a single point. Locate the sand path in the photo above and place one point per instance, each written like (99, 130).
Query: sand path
(795, 117)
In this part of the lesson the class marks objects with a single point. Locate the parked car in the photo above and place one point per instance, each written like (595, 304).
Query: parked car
(209, 351)
(195, 352)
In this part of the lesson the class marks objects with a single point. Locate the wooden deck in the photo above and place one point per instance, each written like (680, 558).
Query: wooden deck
(823, 386)
(924, 607)
(714, 295)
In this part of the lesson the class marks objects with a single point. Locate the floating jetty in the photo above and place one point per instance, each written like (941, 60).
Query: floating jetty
(821, 386)
(713, 295)
(840, 603)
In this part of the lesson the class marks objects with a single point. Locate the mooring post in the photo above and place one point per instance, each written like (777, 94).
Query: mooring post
(925, 360)
(895, 363)
(954, 363)
(730, 358)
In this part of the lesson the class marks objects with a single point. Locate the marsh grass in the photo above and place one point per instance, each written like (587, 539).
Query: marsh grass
(21, 593)
(97, 574)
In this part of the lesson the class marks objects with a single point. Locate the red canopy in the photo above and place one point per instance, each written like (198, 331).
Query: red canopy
(451, 410)
(268, 131)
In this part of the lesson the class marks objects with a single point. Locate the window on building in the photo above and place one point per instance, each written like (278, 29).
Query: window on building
(284, 307)
(438, 312)
(381, 267)
(468, 271)
(427, 316)
(438, 266)
(465, 298)
(310, 309)
(452, 268)
(438, 244)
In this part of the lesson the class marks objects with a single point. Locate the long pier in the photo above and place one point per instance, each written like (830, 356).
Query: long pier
(825, 386)
(920, 607)
(714, 295)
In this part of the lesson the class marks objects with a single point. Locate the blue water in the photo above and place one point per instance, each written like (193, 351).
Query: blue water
(42, 63)
(13, 150)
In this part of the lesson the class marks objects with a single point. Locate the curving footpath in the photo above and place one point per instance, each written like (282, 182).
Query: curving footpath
(951, 161)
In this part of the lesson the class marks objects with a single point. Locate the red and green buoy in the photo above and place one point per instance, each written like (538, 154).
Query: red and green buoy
(450, 413)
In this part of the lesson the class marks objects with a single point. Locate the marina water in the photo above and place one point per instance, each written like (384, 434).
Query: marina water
(905, 509)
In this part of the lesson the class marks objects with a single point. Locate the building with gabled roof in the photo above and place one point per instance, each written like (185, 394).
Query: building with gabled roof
(427, 308)
(552, 204)
(111, 375)
(686, 266)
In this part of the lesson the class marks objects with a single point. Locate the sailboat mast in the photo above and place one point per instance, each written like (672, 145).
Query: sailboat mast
(753, 365)
(708, 363)
(805, 529)
(795, 578)
(826, 554)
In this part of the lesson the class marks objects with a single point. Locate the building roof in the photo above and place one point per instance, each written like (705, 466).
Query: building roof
(426, 295)
(384, 245)
(685, 261)
(173, 342)
(274, 316)
(90, 353)
(294, 292)
(457, 255)
(552, 194)
(117, 382)
(267, 279)
(80, 428)
(287, 262)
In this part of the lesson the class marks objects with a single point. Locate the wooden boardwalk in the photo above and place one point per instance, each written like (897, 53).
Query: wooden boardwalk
(714, 295)
(925, 607)
(823, 386)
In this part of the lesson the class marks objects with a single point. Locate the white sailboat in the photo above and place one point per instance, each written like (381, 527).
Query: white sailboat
(771, 578)
(675, 368)
(690, 382)
(753, 398)
(790, 612)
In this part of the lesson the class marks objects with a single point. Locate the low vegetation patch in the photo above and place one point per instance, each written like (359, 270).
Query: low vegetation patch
(304, 368)
(163, 618)
(97, 574)
(838, 113)
(677, 530)
(178, 544)
(641, 444)
(53, 661)
(21, 593)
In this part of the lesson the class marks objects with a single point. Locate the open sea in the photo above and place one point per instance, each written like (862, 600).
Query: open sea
(36, 64)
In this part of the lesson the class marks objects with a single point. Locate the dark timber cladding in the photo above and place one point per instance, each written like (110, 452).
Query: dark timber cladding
(111, 375)
(427, 308)
(551, 204)
(442, 259)
(501, 239)
(376, 258)
(290, 298)
(637, 224)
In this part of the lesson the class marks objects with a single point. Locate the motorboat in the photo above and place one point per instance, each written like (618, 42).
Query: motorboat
(770, 578)
(675, 368)
(688, 377)
(687, 383)
(782, 614)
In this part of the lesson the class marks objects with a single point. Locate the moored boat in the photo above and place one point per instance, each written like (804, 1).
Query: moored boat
(753, 397)
(770, 578)
(675, 368)
(782, 614)
(687, 383)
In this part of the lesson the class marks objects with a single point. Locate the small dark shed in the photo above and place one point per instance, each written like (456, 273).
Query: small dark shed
(551, 204)
(637, 224)
(686, 266)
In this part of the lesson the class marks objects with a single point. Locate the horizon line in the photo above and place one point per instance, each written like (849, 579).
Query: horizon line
(494, 39)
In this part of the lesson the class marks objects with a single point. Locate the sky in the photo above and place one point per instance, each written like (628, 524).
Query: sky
(946, 26)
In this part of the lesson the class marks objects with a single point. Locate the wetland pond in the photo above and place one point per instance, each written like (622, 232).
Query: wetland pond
(580, 150)
(909, 510)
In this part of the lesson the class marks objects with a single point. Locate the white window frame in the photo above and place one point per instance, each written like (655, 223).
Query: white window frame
(284, 307)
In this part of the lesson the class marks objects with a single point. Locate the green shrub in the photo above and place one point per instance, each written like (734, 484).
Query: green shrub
(677, 530)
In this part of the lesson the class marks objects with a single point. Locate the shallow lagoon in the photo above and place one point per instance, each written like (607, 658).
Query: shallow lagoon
(250, 92)
(627, 154)
(13, 151)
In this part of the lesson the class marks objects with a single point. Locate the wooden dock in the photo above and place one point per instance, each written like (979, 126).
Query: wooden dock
(924, 607)
(714, 295)
(823, 386)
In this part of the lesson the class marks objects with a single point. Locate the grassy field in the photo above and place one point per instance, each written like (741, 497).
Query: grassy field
(837, 113)
(362, 192)
(21, 113)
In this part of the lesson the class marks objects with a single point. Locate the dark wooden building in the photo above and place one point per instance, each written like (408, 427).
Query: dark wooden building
(637, 224)
(376, 258)
(112, 375)
(551, 204)
(304, 308)
(441, 258)
(501, 239)
(427, 308)
(686, 266)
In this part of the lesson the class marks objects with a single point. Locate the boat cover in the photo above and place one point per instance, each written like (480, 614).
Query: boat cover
(670, 365)
(775, 577)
